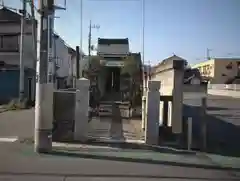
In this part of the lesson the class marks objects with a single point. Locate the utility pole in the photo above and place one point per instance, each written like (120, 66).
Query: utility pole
(34, 37)
(52, 44)
(90, 41)
(43, 124)
(149, 70)
(2, 3)
(51, 68)
(21, 63)
(208, 53)
(143, 45)
(89, 44)
(81, 33)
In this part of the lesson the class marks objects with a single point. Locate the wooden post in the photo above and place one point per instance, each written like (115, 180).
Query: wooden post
(204, 124)
(77, 62)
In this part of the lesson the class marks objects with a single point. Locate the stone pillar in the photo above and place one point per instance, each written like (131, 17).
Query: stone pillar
(152, 121)
(81, 109)
(177, 92)
(144, 112)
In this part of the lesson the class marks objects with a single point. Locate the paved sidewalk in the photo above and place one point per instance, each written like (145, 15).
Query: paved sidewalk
(143, 155)
(3, 108)
(21, 163)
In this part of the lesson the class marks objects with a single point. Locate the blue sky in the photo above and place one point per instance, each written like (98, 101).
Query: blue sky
(183, 27)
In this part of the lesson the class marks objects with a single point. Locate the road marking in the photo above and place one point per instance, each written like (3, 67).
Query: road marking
(8, 139)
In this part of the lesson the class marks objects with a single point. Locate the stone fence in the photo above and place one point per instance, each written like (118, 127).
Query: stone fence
(70, 112)
(165, 98)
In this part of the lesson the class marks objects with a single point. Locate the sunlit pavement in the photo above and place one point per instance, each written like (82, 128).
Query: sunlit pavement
(19, 162)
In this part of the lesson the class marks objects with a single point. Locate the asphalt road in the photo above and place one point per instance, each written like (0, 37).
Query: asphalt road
(18, 162)
(17, 124)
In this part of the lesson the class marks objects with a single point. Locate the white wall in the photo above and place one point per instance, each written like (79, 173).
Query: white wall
(166, 79)
(62, 58)
(83, 64)
(72, 64)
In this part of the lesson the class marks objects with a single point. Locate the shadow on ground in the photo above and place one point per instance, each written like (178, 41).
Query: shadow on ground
(116, 129)
(222, 136)
(216, 108)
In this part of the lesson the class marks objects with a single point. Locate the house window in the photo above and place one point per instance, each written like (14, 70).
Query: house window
(9, 43)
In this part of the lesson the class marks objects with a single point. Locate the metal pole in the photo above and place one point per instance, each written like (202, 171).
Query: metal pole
(50, 62)
(77, 62)
(43, 124)
(89, 44)
(53, 49)
(81, 33)
(2, 2)
(143, 43)
(208, 53)
(21, 63)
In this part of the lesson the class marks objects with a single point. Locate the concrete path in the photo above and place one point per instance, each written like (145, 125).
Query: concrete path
(117, 129)
(114, 125)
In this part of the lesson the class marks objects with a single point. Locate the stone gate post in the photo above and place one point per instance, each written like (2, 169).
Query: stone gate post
(81, 109)
(152, 117)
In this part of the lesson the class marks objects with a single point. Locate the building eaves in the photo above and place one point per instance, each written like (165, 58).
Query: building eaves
(6, 15)
(109, 41)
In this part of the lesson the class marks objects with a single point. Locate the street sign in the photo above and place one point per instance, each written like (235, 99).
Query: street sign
(114, 64)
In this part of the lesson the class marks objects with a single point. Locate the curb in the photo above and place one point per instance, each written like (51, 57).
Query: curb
(135, 159)
(110, 144)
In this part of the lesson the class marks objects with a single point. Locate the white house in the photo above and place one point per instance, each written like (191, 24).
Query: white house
(66, 63)
(72, 59)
